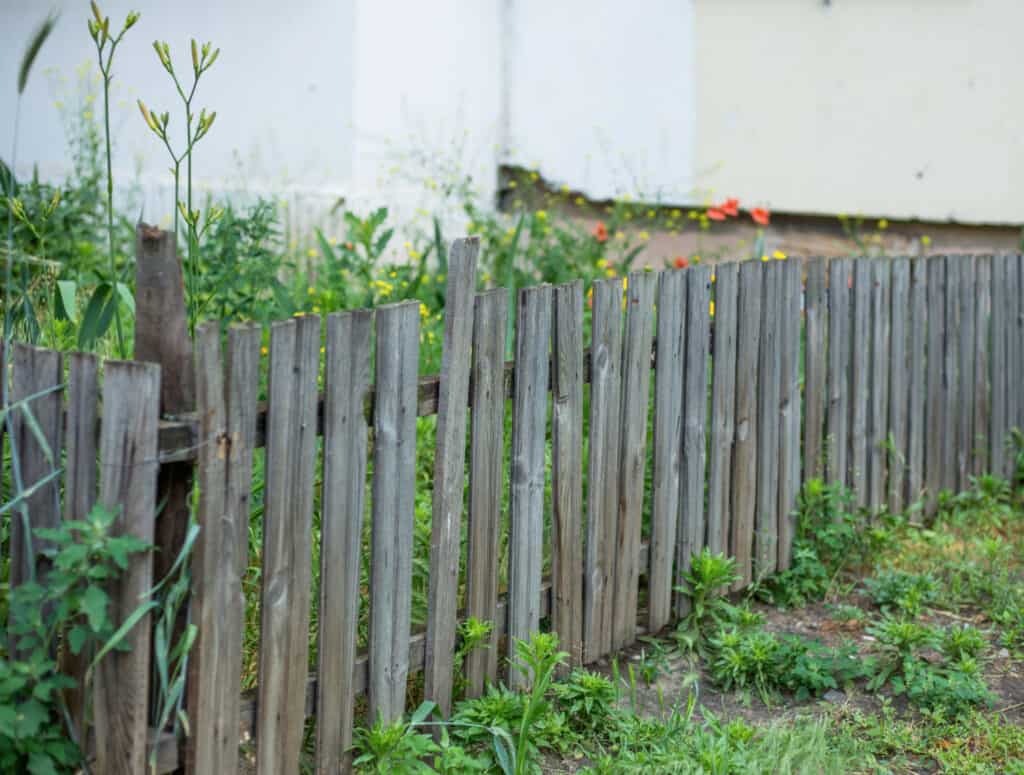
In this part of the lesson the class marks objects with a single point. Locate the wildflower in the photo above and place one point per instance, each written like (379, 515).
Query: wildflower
(926, 240)
(711, 308)
(534, 176)
(644, 236)
(316, 309)
(299, 314)
(760, 215)
(580, 201)
(765, 258)
(424, 312)
(609, 272)
(676, 213)
(323, 350)
(512, 184)
(715, 214)
(883, 224)
(620, 235)
(712, 277)
(778, 255)
(600, 232)
(311, 291)
(565, 189)
(625, 282)
(415, 255)
(392, 274)
(312, 253)
(264, 351)
(696, 259)
(590, 297)
(332, 241)
(602, 263)
(680, 262)
(651, 214)
(542, 215)
(730, 207)
(349, 246)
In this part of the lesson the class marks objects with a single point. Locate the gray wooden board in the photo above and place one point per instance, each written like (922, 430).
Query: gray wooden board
(393, 506)
(982, 377)
(287, 542)
(745, 458)
(917, 418)
(668, 439)
(934, 425)
(815, 368)
(998, 366)
(789, 407)
(860, 379)
(343, 501)
(723, 406)
(839, 327)
(128, 470)
(951, 379)
(1015, 393)
(899, 392)
(567, 470)
(766, 523)
(879, 384)
(636, 380)
(603, 470)
(526, 486)
(486, 459)
(449, 474)
(965, 369)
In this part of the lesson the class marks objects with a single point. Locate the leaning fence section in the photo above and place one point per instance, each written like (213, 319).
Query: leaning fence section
(705, 398)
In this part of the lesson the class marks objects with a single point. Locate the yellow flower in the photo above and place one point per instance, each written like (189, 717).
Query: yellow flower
(926, 240)
(331, 241)
(534, 176)
(644, 236)
(650, 213)
(424, 312)
(299, 314)
(676, 213)
(711, 308)
(312, 253)
(87, 115)
(765, 258)
(407, 245)
(580, 201)
(693, 215)
(311, 291)
(696, 259)
(712, 274)
(316, 309)
(392, 274)
(565, 189)
(512, 184)
(415, 254)
(883, 224)
(609, 272)
(542, 215)
(264, 351)
(601, 263)
(323, 350)
(778, 255)
(625, 282)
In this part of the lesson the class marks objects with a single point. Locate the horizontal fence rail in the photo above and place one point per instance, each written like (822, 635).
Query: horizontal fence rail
(706, 398)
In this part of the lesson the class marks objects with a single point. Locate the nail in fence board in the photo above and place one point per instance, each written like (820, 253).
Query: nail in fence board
(567, 470)
(982, 387)
(934, 420)
(394, 482)
(789, 407)
(766, 524)
(840, 279)
(526, 493)
(815, 368)
(951, 381)
(965, 369)
(35, 371)
(636, 382)
(449, 473)
(128, 472)
(879, 385)
(999, 325)
(917, 419)
(287, 542)
(346, 382)
(668, 438)
(860, 379)
(745, 459)
(899, 394)
(723, 406)
(486, 460)
(603, 467)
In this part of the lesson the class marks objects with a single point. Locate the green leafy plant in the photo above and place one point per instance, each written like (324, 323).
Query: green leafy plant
(899, 590)
(473, 634)
(707, 581)
(396, 748)
(963, 641)
(588, 700)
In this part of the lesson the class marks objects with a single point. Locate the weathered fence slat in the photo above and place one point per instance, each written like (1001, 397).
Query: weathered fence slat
(346, 382)
(668, 443)
(128, 449)
(603, 478)
(394, 482)
(636, 381)
(999, 329)
(287, 542)
(567, 470)
(486, 460)
(815, 368)
(982, 387)
(917, 419)
(745, 458)
(840, 279)
(951, 382)
(899, 393)
(965, 355)
(723, 406)
(526, 487)
(789, 407)
(766, 523)
(879, 384)
(449, 474)
(934, 419)
(1015, 395)
(860, 380)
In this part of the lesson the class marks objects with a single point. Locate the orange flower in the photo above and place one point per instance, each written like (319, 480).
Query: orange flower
(760, 215)
(730, 207)
(680, 263)
(600, 232)
(349, 246)
(715, 214)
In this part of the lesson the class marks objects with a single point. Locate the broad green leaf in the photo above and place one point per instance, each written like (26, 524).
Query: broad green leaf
(94, 606)
(37, 431)
(67, 290)
(126, 296)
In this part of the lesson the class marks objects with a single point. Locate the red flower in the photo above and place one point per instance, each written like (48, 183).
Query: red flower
(680, 263)
(715, 214)
(760, 215)
(730, 207)
(600, 232)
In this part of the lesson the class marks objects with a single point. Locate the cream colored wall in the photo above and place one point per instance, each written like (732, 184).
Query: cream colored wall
(902, 108)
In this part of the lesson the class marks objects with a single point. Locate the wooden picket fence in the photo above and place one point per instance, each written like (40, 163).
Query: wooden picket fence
(898, 378)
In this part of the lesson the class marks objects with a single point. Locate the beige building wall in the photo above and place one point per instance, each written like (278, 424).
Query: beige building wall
(901, 108)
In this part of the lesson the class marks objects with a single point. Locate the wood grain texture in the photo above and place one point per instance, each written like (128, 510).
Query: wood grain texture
(636, 382)
(128, 471)
(965, 370)
(860, 380)
(878, 429)
(394, 489)
(603, 471)
(486, 461)
(347, 378)
(899, 385)
(815, 368)
(766, 522)
(567, 470)
(840, 281)
(668, 443)
(1015, 342)
(449, 474)
(934, 417)
(744, 454)
(790, 313)
(982, 377)
(723, 406)
(998, 365)
(526, 486)
(287, 542)
(917, 419)
(951, 377)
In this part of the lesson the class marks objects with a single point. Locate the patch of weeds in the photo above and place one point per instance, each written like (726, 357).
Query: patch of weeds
(653, 659)
(589, 702)
(963, 641)
(897, 590)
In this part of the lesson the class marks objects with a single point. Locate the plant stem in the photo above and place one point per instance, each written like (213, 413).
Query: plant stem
(110, 194)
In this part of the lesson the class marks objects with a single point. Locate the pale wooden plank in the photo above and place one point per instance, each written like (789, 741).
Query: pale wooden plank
(526, 486)
(899, 393)
(744, 457)
(934, 419)
(860, 376)
(965, 369)
(917, 419)
(486, 461)
(840, 281)
(636, 382)
(346, 382)
(881, 303)
(998, 366)
(766, 522)
(287, 542)
(1015, 341)
(789, 407)
(982, 383)
(394, 483)
(815, 368)
(128, 448)
(951, 380)
(567, 470)
(668, 441)
(723, 406)
(449, 474)
(603, 472)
